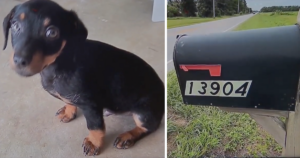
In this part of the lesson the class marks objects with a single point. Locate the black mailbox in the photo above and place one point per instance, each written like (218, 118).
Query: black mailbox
(246, 69)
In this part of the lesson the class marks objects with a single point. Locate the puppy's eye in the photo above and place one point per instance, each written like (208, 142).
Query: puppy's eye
(52, 32)
(15, 26)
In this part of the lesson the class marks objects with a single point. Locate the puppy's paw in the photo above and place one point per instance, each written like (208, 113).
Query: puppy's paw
(92, 143)
(66, 113)
(89, 148)
(128, 139)
(124, 141)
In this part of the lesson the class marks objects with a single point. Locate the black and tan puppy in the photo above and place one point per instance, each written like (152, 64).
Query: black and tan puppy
(85, 74)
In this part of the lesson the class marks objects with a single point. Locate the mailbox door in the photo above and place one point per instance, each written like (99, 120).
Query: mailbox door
(245, 69)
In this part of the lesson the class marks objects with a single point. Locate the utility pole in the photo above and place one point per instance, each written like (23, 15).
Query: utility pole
(239, 6)
(214, 8)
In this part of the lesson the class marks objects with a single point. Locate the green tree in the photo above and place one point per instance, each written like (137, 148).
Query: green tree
(172, 11)
(174, 8)
(281, 8)
(204, 8)
(188, 7)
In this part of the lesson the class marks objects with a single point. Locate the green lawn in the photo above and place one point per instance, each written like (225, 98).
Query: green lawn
(182, 21)
(264, 20)
(199, 131)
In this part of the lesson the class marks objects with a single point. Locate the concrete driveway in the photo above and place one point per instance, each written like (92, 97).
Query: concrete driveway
(28, 127)
(203, 28)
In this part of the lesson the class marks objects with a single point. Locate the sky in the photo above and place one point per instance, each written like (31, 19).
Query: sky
(258, 4)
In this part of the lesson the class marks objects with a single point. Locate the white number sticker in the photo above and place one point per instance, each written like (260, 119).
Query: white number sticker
(217, 88)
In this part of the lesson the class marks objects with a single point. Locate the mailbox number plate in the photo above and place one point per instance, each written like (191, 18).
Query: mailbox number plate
(217, 88)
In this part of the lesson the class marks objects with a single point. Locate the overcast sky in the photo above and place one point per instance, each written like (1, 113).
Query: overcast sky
(258, 4)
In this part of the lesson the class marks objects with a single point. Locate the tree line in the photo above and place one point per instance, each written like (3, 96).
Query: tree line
(204, 8)
(281, 8)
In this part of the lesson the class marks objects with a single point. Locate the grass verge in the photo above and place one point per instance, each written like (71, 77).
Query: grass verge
(184, 21)
(198, 131)
(201, 131)
(265, 20)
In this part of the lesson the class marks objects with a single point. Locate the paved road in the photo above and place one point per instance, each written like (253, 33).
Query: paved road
(203, 28)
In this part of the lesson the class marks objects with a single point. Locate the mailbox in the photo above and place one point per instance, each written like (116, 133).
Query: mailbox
(245, 69)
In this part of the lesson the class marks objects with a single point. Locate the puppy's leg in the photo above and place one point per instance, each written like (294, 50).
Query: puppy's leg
(147, 117)
(95, 124)
(67, 113)
(127, 139)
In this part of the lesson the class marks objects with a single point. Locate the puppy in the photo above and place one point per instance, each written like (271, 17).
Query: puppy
(83, 73)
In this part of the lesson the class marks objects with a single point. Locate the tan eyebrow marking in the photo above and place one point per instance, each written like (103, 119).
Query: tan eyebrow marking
(46, 21)
(22, 16)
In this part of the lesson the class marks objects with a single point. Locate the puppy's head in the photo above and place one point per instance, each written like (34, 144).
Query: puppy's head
(40, 30)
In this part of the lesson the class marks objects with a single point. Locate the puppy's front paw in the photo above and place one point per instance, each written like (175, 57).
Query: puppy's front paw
(89, 148)
(92, 143)
(66, 113)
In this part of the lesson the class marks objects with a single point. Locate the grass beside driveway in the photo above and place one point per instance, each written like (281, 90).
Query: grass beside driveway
(185, 21)
(265, 20)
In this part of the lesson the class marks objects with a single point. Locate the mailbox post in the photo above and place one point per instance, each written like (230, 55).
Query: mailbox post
(253, 71)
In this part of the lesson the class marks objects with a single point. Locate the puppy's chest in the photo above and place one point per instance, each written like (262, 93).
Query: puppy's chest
(62, 89)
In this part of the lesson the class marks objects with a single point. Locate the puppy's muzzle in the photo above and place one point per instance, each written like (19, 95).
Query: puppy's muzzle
(20, 61)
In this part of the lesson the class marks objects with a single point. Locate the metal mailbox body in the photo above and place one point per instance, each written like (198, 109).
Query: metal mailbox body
(246, 69)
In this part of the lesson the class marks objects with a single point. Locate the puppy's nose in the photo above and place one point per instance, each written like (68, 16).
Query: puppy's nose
(20, 62)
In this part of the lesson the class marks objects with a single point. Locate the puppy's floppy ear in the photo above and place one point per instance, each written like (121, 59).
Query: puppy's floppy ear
(6, 25)
(79, 31)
